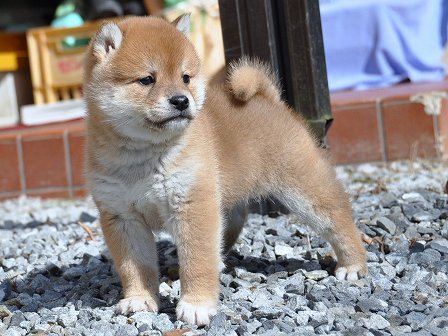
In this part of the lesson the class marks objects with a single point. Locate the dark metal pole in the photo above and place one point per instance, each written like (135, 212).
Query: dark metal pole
(288, 35)
(303, 57)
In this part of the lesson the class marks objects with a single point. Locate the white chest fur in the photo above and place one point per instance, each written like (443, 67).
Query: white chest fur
(140, 187)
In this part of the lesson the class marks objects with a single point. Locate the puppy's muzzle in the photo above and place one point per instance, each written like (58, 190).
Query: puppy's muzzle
(177, 116)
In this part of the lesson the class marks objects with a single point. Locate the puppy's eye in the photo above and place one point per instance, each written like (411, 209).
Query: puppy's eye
(147, 80)
(186, 79)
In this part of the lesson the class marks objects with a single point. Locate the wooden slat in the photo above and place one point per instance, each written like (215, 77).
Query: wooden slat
(65, 93)
(35, 69)
(44, 77)
(76, 92)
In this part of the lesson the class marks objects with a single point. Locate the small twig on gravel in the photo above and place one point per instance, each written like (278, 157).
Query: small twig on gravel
(309, 242)
(380, 187)
(48, 221)
(380, 240)
(366, 239)
(50, 329)
(413, 241)
(87, 230)
(176, 332)
(413, 155)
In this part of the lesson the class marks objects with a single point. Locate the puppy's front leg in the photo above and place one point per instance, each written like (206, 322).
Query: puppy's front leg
(133, 250)
(198, 238)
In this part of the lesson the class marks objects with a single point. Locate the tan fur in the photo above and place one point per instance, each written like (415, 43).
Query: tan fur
(183, 176)
(250, 77)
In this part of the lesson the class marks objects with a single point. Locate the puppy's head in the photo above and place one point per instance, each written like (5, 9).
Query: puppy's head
(142, 76)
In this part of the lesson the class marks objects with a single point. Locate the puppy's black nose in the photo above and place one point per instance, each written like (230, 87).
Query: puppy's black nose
(179, 102)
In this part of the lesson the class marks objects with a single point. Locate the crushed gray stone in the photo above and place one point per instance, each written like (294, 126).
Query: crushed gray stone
(386, 224)
(440, 245)
(278, 280)
(376, 322)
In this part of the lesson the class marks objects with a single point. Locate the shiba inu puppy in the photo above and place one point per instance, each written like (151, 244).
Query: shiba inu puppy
(165, 155)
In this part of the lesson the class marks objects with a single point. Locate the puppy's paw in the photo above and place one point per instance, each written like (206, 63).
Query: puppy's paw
(351, 272)
(195, 313)
(135, 304)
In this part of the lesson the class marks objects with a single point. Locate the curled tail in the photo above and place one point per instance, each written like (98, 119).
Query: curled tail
(247, 78)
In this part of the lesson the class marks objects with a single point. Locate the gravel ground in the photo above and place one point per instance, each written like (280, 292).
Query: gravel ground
(56, 277)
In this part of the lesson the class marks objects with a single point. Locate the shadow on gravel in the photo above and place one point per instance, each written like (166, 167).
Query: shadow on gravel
(268, 267)
(91, 281)
(86, 280)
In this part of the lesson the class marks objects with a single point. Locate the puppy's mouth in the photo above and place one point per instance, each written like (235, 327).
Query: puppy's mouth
(181, 116)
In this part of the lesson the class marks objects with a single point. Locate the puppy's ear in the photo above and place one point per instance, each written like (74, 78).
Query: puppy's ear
(107, 40)
(182, 23)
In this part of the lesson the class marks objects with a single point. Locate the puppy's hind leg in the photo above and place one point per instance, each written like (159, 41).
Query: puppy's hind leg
(330, 216)
(234, 223)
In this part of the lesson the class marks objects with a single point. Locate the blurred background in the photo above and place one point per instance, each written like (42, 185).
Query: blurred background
(380, 64)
